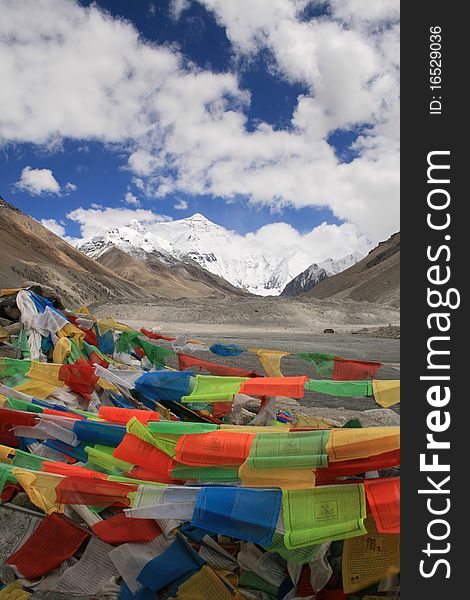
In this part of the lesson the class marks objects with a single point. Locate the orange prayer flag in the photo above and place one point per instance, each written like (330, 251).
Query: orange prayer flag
(292, 387)
(213, 448)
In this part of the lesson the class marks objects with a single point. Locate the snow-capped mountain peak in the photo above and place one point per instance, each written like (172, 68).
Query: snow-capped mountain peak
(317, 272)
(243, 262)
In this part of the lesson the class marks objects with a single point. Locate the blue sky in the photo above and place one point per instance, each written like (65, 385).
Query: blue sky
(292, 142)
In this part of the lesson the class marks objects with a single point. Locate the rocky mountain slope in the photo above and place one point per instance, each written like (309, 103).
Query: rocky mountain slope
(376, 278)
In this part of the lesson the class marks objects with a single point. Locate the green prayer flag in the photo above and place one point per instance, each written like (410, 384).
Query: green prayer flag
(155, 354)
(324, 363)
(17, 404)
(204, 473)
(251, 580)
(103, 457)
(127, 340)
(340, 388)
(15, 380)
(209, 388)
(324, 514)
(300, 449)
(180, 427)
(25, 460)
(13, 366)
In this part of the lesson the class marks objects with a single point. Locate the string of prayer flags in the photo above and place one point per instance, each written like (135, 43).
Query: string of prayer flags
(244, 513)
(329, 366)
(179, 498)
(323, 514)
(386, 393)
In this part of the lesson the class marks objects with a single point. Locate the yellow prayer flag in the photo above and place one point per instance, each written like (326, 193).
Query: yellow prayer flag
(14, 591)
(70, 331)
(386, 392)
(370, 558)
(348, 444)
(285, 479)
(36, 388)
(5, 453)
(271, 361)
(40, 489)
(61, 350)
(45, 372)
(204, 584)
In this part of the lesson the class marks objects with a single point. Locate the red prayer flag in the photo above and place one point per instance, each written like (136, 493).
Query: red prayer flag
(354, 370)
(80, 377)
(123, 415)
(383, 496)
(56, 539)
(93, 492)
(137, 452)
(7, 437)
(120, 529)
(186, 362)
(9, 490)
(213, 448)
(345, 468)
(17, 418)
(67, 469)
(156, 336)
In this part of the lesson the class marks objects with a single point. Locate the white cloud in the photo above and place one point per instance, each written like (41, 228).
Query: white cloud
(129, 198)
(181, 205)
(38, 182)
(75, 72)
(97, 219)
(322, 242)
(53, 226)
